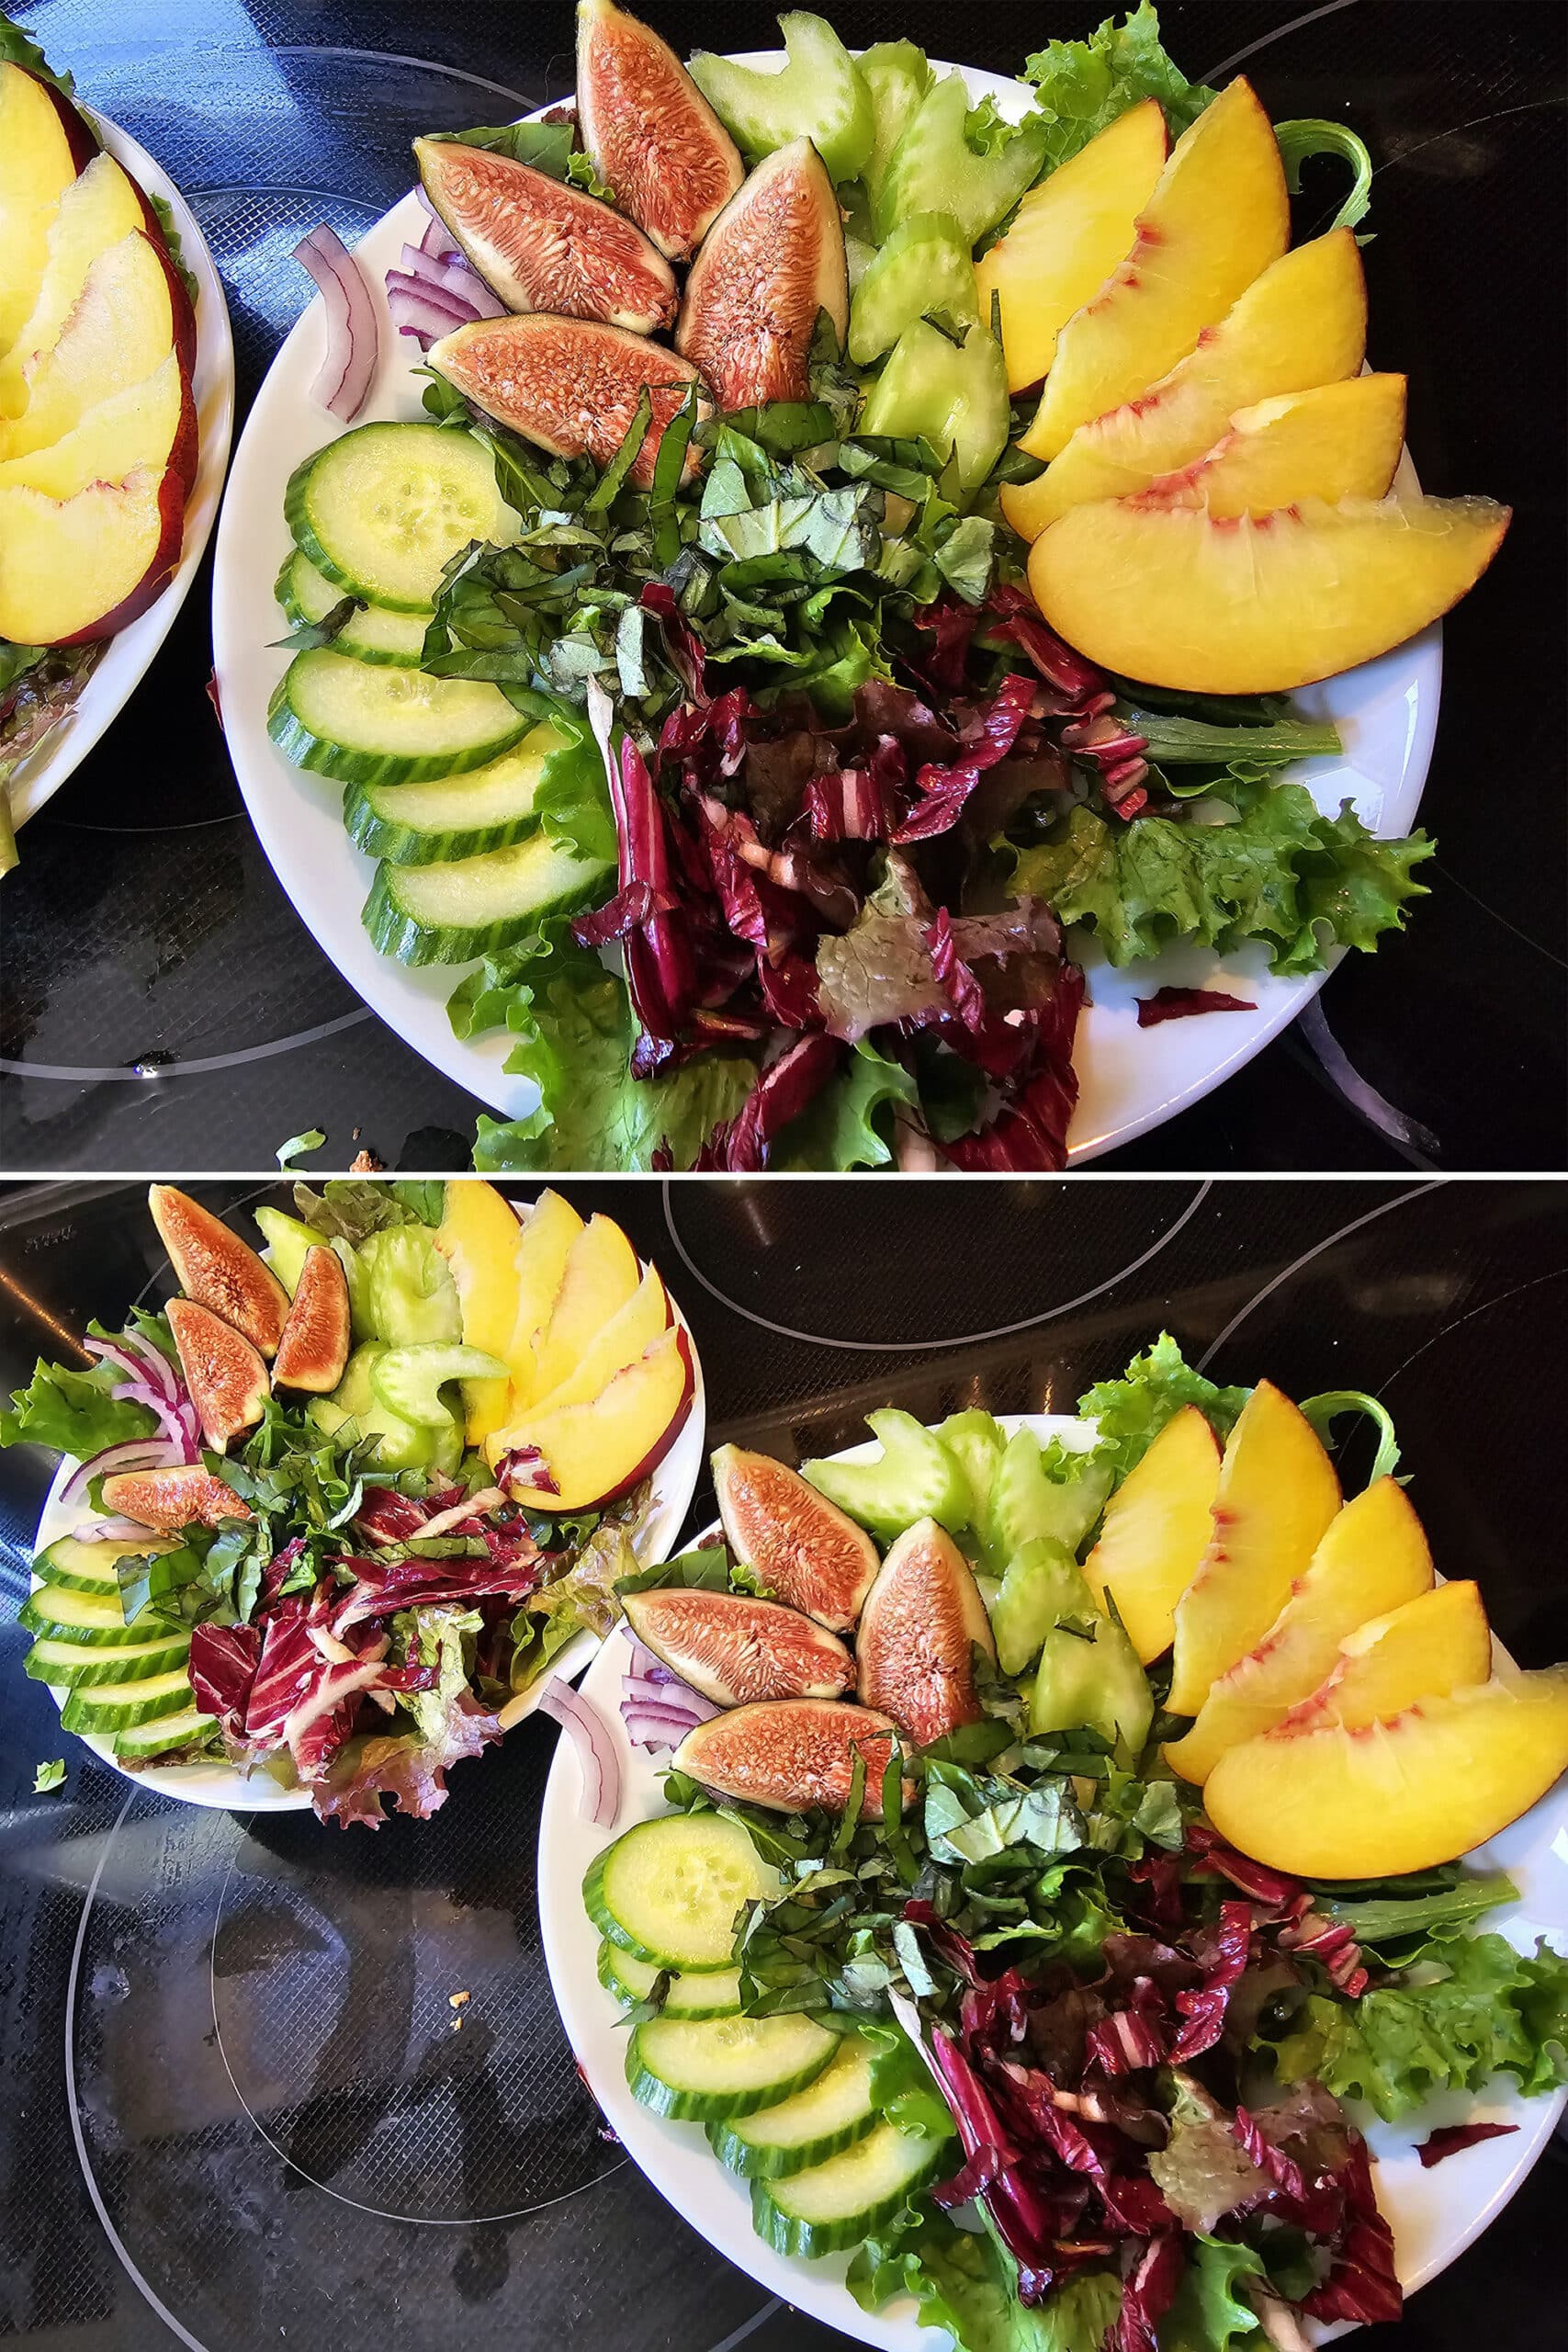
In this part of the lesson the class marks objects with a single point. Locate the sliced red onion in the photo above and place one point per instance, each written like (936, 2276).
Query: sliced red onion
(134, 1454)
(601, 1796)
(1359, 1091)
(112, 1531)
(437, 237)
(451, 274)
(644, 1664)
(348, 369)
(426, 316)
(139, 1360)
(657, 1727)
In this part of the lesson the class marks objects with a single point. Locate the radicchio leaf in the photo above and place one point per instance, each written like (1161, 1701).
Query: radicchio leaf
(1180, 1004)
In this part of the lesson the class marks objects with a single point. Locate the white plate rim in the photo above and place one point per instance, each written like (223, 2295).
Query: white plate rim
(1131, 1080)
(674, 2158)
(129, 653)
(224, 1788)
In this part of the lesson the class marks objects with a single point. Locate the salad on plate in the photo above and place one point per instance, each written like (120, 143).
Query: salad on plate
(841, 591)
(337, 1506)
(1060, 1891)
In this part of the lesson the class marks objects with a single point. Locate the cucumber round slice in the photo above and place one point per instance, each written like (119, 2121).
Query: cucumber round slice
(454, 815)
(62, 1615)
(408, 1381)
(448, 914)
(668, 1890)
(373, 634)
(164, 1732)
(380, 511)
(706, 2070)
(116, 1706)
(923, 266)
(833, 2205)
(74, 1664)
(715, 1993)
(90, 1568)
(364, 725)
(830, 2114)
(819, 95)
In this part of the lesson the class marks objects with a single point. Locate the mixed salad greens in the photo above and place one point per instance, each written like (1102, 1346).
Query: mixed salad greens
(819, 771)
(357, 1605)
(1008, 2020)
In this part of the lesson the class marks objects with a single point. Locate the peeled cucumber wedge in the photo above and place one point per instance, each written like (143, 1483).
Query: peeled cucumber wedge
(408, 1381)
(819, 95)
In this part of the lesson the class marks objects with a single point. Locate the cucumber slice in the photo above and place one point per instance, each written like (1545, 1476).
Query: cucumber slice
(73, 1663)
(410, 1299)
(164, 1732)
(288, 1241)
(913, 1477)
(923, 266)
(362, 725)
(818, 96)
(90, 1568)
(934, 169)
(404, 1445)
(454, 815)
(715, 1993)
(448, 914)
(60, 1614)
(380, 511)
(373, 633)
(1026, 1505)
(956, 395)
(718, 2067)
(830, 2114)
(1044, 1584)
(116, 1706)
(974, 1439)
(833, 2205)
(408, 1381)
(668, 1890)
(897, 77)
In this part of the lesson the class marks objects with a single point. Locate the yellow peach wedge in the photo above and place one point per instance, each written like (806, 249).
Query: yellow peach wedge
(1277, 1495)
(477, 1238)
(41, 150)
(600, 1275)
(1173, 596)
(95, 213)
(1425, 1648)
(1373, 1559)
(548, 1230)
(1404, 1795)
(615, 1345)
(1303, 323)
(1218, 215)
(594, 1452)
(1157, 1529)
(1067, 236)
(1334, 442)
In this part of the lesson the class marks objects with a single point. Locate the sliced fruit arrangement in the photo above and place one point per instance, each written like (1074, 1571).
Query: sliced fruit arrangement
(98, 417)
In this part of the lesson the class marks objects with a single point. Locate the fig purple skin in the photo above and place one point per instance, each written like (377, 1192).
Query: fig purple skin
(773, 260)
(786, 1754)
(922, 1620)
(808, 1553)
(313, 1351)
(226, 1377)
(654, 140)
(218, 1270)
(572, 385)
(735, 1650)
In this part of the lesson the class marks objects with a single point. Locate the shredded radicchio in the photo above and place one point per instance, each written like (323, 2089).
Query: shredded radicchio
(1180, 1004)
(1449, 2139)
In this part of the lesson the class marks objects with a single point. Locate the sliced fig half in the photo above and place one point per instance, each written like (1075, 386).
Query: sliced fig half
(789, 1753)
(217, 1270)
(804, 1548)
(654, 140)
(226, 1377)
(313, 1351)
(734, 1649)
(166, 1500)
(543, 244)
(771, 261)
(572, 385)
(918, 1631)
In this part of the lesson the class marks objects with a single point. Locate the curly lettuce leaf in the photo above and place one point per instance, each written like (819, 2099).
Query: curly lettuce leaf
(1085, 84)
(1283, 874)
(74, 1412)
(16, 49)
(964, 2282)
(1209, 2314)
(1133, 1410)
(850, 1124)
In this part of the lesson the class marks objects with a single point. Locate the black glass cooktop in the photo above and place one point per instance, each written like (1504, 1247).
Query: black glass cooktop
(145, 927)
(235, 2110)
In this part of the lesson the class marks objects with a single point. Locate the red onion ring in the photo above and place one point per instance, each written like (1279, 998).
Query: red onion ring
(139, 1360)
(601, 1795)
(348, 369)
(133, 1453)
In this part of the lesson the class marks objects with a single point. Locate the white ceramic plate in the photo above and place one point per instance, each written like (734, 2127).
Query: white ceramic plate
(123, 664)
(226, 1788)
(1131, 1078)
(1435, 2214)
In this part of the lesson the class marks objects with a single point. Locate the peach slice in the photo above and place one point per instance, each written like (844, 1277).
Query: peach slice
(600, 1274)
(1373, 1559)
(150, 424)
(615, 1345)
(1218, 215)
(79, 568)
(43, 145)
(1303, 323)
(1334, 442)
(477, 1237)
(1156, 1530)
(1067, 236)
(549, 1229)
(95, 213)
(1404, 1796)
(593, 1452)
(1257, 603)
(1425, 1648)
(124, 325)
(1277, 1493)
